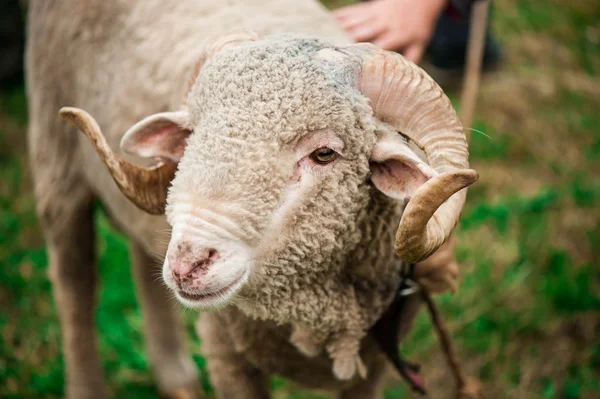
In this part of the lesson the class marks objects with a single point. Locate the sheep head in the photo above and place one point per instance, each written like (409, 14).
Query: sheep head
(281, 145)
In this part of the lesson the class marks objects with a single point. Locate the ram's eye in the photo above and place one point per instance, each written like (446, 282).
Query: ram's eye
(323, 155)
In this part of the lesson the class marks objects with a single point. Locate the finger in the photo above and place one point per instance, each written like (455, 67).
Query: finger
(367, 31)
(390, 41)
(355, 18)
(414, 52)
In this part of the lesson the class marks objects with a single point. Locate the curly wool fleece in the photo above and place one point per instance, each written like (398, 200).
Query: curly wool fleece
(328, 267)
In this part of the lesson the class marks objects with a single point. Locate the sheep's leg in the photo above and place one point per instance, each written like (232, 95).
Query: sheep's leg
(231, 375)
(174, 369)
(67, 217)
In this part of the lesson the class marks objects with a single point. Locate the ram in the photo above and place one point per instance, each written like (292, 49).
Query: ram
(285, 163)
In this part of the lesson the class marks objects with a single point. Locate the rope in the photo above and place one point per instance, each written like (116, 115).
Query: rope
(468, 388)
(445, 340)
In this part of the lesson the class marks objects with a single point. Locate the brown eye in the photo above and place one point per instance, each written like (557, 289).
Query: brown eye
(323, 155)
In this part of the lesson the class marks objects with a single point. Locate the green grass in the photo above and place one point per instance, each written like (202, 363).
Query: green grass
(525, 319)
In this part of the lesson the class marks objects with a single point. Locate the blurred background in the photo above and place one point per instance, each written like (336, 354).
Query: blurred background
(526, 318)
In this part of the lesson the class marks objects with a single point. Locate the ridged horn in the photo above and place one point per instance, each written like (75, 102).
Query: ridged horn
(146, 187)
(405, 97)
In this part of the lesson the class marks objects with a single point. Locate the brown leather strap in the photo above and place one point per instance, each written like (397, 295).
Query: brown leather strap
(386, 331)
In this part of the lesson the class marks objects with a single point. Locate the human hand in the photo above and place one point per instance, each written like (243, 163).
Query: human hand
(405, 25)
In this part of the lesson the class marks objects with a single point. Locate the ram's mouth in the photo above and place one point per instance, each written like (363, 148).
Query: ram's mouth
(214, 298)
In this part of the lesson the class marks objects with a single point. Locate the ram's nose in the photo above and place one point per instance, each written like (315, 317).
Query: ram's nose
(186, 262)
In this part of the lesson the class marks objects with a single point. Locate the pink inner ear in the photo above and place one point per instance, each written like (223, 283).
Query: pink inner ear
(397, 179)
(162, 139)
(160, 136)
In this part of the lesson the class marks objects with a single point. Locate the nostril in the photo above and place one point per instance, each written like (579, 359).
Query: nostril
(213, 255)
(207, 258)
(182, 264)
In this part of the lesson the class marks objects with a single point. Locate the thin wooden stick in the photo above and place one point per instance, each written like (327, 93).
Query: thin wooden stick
(475, 51)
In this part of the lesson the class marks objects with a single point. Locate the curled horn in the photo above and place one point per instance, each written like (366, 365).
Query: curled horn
(405, 97)
(145, 187)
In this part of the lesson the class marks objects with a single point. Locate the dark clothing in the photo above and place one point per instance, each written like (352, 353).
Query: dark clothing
(460, 8)
(448, 46)
(12, 42)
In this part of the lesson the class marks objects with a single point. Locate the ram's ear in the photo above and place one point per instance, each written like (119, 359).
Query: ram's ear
(159, 136)
(395, 169)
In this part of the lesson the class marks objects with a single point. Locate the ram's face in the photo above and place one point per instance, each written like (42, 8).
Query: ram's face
(281, 145)
(277, 158)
